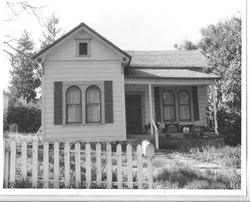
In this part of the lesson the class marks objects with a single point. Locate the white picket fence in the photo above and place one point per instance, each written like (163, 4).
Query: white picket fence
(76, 165)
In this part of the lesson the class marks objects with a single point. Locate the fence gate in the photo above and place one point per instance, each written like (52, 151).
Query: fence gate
(67, 165)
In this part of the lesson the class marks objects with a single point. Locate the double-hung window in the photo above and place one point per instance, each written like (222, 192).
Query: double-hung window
(73, 105)
(93, 104)
(184, 106)
(83, 104)
(168, 106)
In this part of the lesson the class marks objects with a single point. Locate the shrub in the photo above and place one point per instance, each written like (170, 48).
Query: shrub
(229, 125)
(226, 156)
(28, 119)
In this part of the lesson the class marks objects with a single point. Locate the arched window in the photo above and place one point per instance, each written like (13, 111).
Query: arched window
(184, 106)
(73, 105)
(93, 105)
(168, 106)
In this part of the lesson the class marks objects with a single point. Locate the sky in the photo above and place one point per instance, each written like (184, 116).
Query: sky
(130, 24)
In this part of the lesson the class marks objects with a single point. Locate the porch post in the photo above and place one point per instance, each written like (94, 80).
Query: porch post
(215, 109)
(150, 108)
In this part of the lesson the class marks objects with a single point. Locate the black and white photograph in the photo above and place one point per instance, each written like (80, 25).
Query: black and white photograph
(130, 99)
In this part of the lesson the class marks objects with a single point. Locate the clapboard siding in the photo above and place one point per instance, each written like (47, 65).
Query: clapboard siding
(82, 72)
(67, 49)
(103, 64)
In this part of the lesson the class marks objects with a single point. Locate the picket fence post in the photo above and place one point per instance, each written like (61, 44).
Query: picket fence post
(109, 165)
(139, 165)
(24, 160)
(150, 173)
(129, 166)
(56, 165)
(6, 165)
(34, 164)
(119, 165)
(12, 162)
(88, 164)
(98, 165)
(77, 165)
(45, 165)
(67, 165)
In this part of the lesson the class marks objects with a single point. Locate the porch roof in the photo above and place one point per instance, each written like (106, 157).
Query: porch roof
(140, 73)
(167, 59)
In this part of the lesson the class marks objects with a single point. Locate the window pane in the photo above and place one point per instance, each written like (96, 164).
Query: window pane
(169, 113)
(184, 98)
(74, 113)
(73, 95)
(83, 48)
(185, 113)
(93, 95)
(93, 113)
(168, 98)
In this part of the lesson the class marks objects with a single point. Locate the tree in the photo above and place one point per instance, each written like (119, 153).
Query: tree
(25, 76)
(221, 43)
(186, 45)
(52, 31)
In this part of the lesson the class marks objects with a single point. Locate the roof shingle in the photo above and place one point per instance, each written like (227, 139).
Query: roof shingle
(168, 73)
(167, 59)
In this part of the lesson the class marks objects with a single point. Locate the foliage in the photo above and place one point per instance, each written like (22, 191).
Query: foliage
(52, 31)
(186, 45)
(225, 156)
(27, 116)
(25, 76)
(221, 44)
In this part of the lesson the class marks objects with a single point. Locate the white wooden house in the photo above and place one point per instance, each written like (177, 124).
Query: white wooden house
(94, 91)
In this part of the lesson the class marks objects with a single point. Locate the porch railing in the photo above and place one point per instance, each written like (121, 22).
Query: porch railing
(155, 133)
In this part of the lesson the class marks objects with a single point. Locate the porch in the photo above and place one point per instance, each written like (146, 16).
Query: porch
(162, 110)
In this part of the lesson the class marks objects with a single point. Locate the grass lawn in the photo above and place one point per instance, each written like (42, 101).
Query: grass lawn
(169, 173)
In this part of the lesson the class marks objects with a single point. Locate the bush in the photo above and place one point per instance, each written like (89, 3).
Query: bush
(28, 119)
(229, 125)
(225, 156)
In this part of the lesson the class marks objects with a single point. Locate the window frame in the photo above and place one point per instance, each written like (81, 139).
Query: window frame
(78, 41)
(86, 104)
(73, 104)
(83, 85)
(189, 99)
(167, 105)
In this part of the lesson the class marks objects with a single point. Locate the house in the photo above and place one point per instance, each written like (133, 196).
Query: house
(94, 91)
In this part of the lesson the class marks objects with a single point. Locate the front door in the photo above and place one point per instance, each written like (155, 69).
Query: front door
(133, 114)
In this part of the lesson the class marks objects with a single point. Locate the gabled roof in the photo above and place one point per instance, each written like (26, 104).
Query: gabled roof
(138, 73)
(75, 29)
(167, 59)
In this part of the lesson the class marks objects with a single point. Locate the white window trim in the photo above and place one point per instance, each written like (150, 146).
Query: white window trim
(78, 41)
(83, 85)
